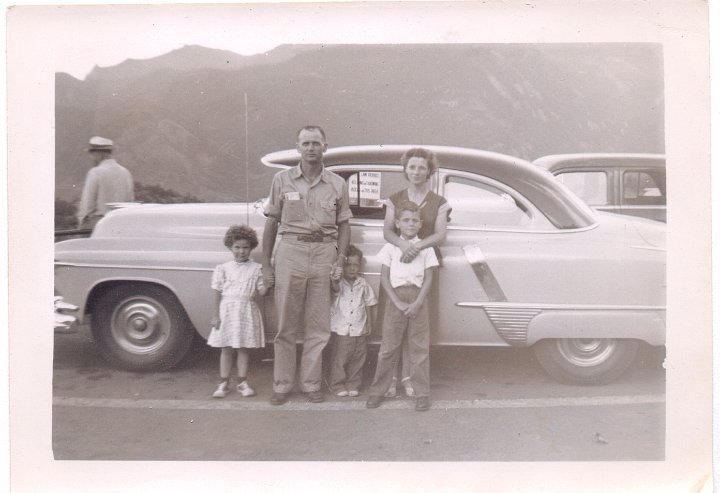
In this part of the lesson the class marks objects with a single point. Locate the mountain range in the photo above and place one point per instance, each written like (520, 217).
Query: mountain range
(181, 121)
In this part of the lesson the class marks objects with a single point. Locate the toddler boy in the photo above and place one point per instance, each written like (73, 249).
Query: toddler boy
(351, 320)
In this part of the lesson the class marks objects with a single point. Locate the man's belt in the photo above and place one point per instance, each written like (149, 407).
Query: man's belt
(310, 238)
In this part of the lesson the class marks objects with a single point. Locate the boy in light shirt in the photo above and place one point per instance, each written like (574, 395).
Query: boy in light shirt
(407, 286)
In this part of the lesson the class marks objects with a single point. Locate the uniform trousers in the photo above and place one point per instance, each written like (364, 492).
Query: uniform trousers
(302, 299)
(395, 326)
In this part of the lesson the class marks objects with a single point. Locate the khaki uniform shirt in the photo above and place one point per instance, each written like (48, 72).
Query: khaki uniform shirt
(305, 208)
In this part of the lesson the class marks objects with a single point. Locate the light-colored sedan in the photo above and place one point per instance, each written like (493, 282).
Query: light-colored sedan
(525, 263)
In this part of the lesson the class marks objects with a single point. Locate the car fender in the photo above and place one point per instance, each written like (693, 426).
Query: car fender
(198, 304)
(642, 323)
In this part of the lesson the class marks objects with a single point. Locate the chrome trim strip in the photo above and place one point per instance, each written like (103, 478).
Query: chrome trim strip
(511, 322)
(141, 267)
(378, 223)
(553, 306)
(643, 247)
(526, 231)
(360, 222)
(484, 274)
(152, 267)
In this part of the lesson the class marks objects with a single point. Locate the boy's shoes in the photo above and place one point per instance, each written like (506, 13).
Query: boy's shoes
(409, 391)
(244, 389)
(316, 396)
(279, 398)
(391, 392)
(422, 403)
(342, 393)
(374, 401)
(222, 390)
(353, 393)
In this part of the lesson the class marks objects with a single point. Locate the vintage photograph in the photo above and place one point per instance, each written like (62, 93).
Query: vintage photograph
(284, 249)
(542, 305)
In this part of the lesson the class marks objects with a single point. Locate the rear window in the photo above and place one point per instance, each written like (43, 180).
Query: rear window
(590, 186)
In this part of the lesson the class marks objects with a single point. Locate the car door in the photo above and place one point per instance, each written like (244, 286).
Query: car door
(492, 233)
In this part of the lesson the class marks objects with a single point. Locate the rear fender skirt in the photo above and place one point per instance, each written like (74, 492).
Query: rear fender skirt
(645, 324)
(523, 324)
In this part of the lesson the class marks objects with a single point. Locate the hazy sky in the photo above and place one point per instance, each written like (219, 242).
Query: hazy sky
(81, 38)
(75, 38)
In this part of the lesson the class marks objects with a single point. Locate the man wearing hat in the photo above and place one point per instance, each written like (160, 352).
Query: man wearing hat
(106, 182)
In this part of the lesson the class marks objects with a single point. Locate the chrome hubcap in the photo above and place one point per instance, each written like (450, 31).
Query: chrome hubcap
(140, 325)
(586, 352)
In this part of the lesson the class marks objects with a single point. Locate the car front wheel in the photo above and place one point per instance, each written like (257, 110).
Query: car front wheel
(586, 361)
(141, 327)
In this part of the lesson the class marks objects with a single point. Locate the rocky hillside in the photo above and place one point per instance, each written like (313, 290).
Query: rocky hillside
(179, 120)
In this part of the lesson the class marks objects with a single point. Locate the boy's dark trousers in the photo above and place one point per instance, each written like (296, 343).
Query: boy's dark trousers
(347, 356)
(395, 324)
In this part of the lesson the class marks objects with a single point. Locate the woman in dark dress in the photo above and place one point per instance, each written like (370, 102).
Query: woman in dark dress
(418, 165)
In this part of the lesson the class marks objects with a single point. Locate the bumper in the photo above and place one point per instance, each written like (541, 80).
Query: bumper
(64, 323)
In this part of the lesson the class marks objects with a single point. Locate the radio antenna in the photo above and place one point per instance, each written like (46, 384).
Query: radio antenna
(247, 167)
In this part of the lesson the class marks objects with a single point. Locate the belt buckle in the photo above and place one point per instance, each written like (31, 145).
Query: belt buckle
(311, 238)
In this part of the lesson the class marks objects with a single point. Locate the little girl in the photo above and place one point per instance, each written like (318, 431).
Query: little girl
(237, 322)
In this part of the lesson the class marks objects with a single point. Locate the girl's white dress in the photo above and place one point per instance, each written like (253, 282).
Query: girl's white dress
(241, 324)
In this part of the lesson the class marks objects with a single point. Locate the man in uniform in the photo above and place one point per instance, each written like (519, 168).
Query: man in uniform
(309, 210)
(106, 182)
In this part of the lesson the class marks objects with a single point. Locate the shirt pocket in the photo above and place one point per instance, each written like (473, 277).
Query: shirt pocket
(293, 210)
(328, 211)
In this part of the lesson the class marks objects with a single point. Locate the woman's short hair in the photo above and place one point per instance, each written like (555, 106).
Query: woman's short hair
(240, 232)
(426, 154)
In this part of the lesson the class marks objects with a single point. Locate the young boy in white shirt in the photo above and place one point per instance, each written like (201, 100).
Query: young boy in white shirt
(351, 321)
(407, 286)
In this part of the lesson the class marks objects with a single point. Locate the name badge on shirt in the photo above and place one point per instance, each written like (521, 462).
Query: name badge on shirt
(292, 195)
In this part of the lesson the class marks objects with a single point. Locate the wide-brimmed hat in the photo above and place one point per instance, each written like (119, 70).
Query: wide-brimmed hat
(99, 144)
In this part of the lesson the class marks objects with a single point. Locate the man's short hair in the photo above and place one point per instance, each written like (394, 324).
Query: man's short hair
(311, 128)
(406, 206)
(353, 251)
